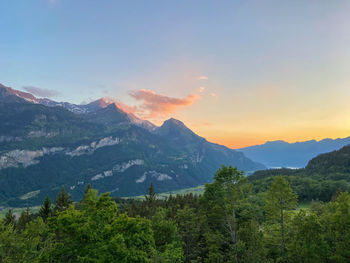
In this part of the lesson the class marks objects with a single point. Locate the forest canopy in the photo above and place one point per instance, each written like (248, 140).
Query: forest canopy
(230, 222)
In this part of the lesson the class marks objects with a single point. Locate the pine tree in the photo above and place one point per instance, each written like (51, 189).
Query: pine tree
(10, 218)
(62, 201)
(24, 219)
(45, 209)
(151, 201)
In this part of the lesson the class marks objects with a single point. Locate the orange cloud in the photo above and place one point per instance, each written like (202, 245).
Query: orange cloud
(155, 105)
(121, 105)
(201, 89)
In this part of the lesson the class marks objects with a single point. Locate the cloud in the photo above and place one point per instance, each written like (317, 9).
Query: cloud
(121, 105)
(155, 105)
(202, 77)
(201, 89)
(47, 93)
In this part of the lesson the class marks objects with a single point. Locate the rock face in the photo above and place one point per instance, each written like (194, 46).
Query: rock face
(45, 147)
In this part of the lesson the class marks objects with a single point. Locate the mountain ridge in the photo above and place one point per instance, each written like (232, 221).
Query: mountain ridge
(283, 154)
(43, 148)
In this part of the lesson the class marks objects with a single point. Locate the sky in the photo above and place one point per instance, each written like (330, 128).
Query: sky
(238, 73)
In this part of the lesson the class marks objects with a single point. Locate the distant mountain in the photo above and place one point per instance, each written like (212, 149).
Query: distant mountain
(296, 155)
(44, 147)
(323, 176)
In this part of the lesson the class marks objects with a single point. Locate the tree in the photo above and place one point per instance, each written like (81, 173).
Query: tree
(224, 196)
(62, 201)
(151, 201)
(166, 237)
(279, 198)
(189, 225)
(340, 221)
(96, 234)
(307, 242)
(83, 200)
(45, 209)
(24, 219)
(10, 218)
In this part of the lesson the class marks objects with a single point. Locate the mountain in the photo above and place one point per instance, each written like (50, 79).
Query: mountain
(43, 148)
(321, 179)
(284, 154)
(330, 163)
(8, 94)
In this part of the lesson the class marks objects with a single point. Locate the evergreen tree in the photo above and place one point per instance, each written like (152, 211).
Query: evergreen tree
(10, 218)
(151, 201)
(167, 240)
(83, 199)
(189, 225)
(62, 201)
(24, 219)
(280, 197)
(45, 209)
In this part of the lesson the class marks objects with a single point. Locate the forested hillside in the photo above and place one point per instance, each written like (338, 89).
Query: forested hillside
(228, 223)
(319, 180)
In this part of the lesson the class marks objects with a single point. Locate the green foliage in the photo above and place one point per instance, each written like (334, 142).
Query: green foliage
(341, 225)
(24, 219)
(319, 180)
(279, 198)
(10, 218)
(306, 242)
(96, 234)
(62, 201)
(229, 223)
(45, 210)
(167, 239)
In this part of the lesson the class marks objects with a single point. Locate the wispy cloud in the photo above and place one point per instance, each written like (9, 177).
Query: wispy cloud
(40, 92)
(201, 89)
(121, 105)
(156, 105)
(203, 77)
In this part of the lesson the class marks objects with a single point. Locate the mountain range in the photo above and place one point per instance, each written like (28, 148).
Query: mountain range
(274, 154)
(45, 145)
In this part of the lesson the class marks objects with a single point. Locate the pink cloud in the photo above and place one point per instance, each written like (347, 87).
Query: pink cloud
(121, 105)
(155, 105)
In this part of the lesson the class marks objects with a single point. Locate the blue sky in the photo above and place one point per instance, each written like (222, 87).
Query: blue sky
(281, 64)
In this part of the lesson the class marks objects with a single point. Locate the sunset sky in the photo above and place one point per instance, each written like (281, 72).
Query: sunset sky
(236, 72)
